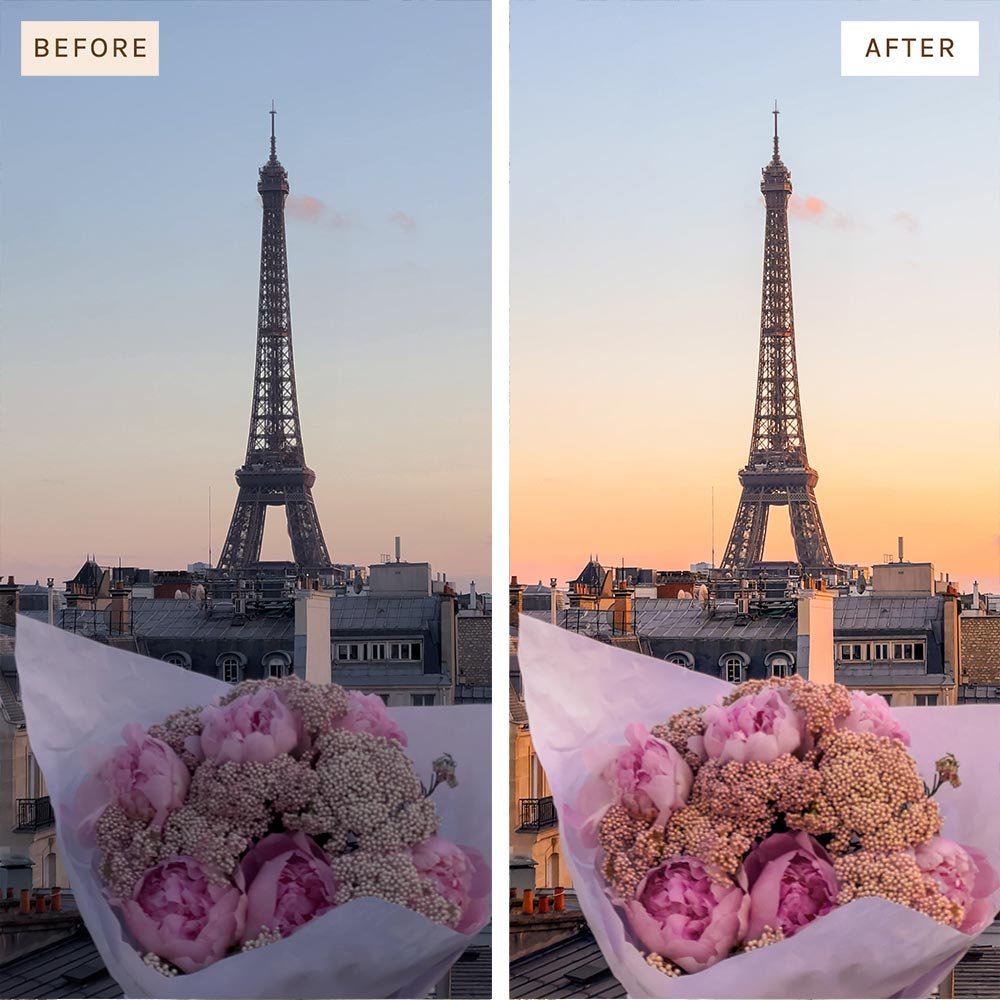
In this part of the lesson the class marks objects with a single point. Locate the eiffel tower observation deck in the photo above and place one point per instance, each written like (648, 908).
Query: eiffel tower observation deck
(777, 473)
(274, 473)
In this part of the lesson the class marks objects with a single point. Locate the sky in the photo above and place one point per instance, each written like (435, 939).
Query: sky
(638, 132)
(130, 256)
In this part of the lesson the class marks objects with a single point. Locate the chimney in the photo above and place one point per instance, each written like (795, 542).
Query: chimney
(621, 616)
(312, 653)
(814, 647)
(516, 601)
(10, 602)
(900, 548)
(552, 598)
(397, 548)
(472, 596)
(120, 617)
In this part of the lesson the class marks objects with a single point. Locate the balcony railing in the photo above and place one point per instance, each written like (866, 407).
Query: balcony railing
(33, 814)
(538, 814)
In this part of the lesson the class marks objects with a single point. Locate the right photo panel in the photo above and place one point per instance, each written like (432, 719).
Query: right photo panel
(755, 500)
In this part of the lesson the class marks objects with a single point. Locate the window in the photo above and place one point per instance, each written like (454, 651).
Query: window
(278, 666)
(682, 658)
(384, 696)
(376, 651)
(782, 667)
(232, 669)
(851, 651)
(404, 650)
(907, 650)
(880, 651)
(421, 699)
(178, 660)
(925, 699)
(888, 698)
(350, 650)
(735, 669)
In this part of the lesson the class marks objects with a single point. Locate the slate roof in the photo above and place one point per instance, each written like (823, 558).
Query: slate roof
(170, 618)
(71, 967)
(978, 974)
(571, 968)
(660, 617)
(474, 652)
(518, 713)
(471, 977)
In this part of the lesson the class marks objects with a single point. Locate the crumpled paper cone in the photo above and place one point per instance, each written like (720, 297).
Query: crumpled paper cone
(581, 694)
(78, 693)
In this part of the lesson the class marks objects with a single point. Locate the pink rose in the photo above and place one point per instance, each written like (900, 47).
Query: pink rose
(288, 881)
(460, 875)
(679, 913)
(649, 777)
(177, 913)
(870, 713)
(366, 713)
(964, 875)
(792, 882)
(254, 727)
(145, 777)
(759, 727)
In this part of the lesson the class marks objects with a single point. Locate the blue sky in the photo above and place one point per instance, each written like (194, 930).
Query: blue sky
(638, 132)
(131, 238)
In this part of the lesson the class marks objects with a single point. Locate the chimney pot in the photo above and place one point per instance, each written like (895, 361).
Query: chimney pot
(25, 904)
(543, 904)
(528, 902)
(559, 899)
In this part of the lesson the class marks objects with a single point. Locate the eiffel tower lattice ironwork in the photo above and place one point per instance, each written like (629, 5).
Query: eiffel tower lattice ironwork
(777, 473)
(275, 473)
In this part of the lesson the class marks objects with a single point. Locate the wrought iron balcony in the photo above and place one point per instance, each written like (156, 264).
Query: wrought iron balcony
(33, 814)
(538, 814)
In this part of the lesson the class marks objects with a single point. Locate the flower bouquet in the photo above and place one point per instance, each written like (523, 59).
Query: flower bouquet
(772, 840)
(274, 838)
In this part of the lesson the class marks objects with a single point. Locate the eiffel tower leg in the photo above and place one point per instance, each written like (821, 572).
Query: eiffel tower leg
(308, 546)
(811, 545)
(246, 534)
(746, 542)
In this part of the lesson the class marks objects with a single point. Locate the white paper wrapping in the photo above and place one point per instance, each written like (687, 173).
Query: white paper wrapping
(581, 694)
(78, 693)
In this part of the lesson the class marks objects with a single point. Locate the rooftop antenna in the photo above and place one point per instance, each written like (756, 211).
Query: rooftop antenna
(775, 112)
(273, 113)
(210, 527)
(713, 519)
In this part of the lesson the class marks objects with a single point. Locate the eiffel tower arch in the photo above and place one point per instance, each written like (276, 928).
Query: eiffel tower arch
(777, 473)
(275, 473)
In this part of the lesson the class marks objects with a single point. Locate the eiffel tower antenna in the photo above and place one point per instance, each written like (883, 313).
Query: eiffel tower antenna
(777, 473)
(275, 473)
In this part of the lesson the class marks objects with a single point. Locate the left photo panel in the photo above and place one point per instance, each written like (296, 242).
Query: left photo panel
(245, 610)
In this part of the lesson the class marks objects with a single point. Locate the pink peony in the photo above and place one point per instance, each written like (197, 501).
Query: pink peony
(254, 727)
(461, 875)
(177, 913)
(964, 875)
(288, 881)
(870, 713)
(792, 882)
(680, 913)
(366, 713)
(649, 777)
(145, 777)
(759, 727)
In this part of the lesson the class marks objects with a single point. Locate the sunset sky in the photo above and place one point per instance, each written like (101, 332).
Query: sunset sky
(638, 133)
(131, 245)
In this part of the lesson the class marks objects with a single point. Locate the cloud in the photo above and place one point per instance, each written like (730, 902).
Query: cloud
(810, 207)
(307, 208)
(310, 209)
(813, 209)
(405, 223)
(909, 223)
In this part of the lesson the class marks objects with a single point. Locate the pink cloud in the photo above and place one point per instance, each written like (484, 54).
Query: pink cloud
(307, 208)
(405, 223)
(809, 207)
(909, 223)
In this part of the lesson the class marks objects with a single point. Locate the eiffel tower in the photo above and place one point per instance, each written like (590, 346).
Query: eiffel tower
(777, 473)
(275, 473)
